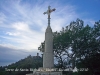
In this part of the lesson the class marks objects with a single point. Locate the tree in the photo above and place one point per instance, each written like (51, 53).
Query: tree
(77, 45)
(63, 42)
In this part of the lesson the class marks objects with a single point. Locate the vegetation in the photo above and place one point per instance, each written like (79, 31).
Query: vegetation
(77, 45)
(23, 66)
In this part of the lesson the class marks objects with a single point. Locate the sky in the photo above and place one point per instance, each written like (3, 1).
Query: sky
(23, 24)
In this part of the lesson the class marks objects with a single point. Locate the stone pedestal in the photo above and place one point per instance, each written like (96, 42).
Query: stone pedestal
(48, 55)
(46, 73)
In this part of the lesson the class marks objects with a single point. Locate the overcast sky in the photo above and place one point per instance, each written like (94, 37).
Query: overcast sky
(22, 23)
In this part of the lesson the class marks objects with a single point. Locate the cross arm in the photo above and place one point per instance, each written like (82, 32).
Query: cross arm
(45, 13)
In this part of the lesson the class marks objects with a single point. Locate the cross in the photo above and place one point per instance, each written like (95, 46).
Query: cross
(49, 11)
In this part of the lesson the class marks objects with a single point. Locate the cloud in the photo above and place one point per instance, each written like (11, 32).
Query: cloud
(90, 22)
(21, 26)
(11, 55)
(12, 33)
(24, 36)
(2, 18)
(25, 23)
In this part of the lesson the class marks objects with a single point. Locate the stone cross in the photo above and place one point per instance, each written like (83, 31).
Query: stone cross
(48, 12)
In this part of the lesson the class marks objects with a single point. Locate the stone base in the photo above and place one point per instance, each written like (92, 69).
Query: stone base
(47, 73)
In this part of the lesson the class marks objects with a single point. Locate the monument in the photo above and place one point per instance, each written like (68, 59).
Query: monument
(48, 55)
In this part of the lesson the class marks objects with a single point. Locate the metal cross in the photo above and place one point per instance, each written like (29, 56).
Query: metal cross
(49, 11)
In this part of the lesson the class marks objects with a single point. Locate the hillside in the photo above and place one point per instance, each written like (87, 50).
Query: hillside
(23, 66)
